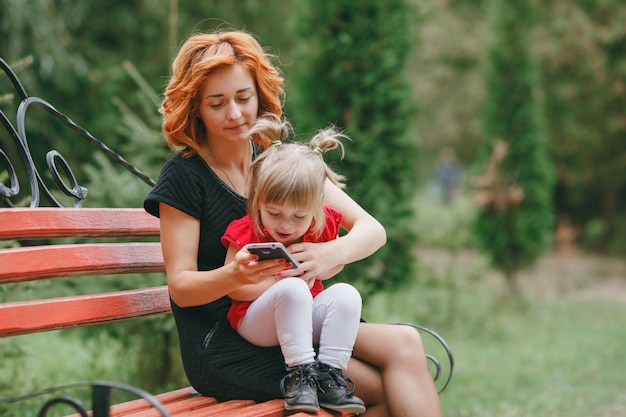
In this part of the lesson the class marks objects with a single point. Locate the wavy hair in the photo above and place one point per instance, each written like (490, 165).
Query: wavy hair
(199, 57)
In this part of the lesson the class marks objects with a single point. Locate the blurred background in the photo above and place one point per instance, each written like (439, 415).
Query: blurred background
(488, 137)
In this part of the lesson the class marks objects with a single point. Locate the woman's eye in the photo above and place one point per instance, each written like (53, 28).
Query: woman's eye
(244, 99)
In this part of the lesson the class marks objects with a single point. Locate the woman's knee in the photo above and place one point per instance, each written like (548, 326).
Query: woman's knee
(407, 342)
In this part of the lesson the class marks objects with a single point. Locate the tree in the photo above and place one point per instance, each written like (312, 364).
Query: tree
(351, 72)
(515, 220)
(582, 47)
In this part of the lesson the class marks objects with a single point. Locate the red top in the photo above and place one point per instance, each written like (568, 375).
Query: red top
(241, 232)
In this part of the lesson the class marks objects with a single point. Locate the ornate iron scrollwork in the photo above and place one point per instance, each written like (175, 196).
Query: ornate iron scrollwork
(57, 165)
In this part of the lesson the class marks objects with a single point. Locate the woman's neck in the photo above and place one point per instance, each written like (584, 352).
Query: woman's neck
(230, 164)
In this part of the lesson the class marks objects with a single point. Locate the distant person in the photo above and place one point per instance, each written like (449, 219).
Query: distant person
(285, 204)
(448, 174)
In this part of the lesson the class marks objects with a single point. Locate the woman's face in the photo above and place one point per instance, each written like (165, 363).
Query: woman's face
(229, 104)
(284, 223)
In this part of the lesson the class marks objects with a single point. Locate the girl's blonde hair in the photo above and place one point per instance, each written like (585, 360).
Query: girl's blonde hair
(292, 173)
(199, 57)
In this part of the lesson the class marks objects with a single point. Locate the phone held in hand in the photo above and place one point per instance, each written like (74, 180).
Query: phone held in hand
(271, 250)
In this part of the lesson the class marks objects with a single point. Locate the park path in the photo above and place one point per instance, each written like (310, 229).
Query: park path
(568, 272)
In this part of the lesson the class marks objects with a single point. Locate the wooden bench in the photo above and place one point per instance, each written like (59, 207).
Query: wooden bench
(104, 241)
(49, 261)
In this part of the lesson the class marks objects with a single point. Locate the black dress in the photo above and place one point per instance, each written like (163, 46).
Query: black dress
(218, 362)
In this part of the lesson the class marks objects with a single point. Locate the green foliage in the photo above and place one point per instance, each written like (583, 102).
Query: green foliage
(80, 64)
(582, 47)
(515, 234)
(350, 72)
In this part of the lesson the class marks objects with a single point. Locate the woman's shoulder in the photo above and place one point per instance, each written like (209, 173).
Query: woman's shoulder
(180, 164)
(181, 184)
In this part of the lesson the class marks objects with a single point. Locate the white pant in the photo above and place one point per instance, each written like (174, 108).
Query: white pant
(287, 315)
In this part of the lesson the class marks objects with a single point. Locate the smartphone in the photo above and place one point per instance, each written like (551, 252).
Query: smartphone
(271, 250)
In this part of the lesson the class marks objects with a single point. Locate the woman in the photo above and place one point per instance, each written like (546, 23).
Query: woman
(221, 83)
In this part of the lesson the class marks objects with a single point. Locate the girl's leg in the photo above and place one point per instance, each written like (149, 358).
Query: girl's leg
(336, 316)
(282, 315)
(397, 351)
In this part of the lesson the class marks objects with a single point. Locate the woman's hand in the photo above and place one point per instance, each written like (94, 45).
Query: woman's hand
(249, 270)
(317, 260)
(252, 275)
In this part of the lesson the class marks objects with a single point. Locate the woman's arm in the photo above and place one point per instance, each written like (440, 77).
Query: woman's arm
(180, 234)
(365, 236)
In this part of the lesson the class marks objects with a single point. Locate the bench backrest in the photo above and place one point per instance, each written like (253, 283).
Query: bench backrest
(41, 257)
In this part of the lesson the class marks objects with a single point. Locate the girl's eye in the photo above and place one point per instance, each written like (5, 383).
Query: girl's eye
(299, 216)
(216, 105)
(245, 99)
(273, 214)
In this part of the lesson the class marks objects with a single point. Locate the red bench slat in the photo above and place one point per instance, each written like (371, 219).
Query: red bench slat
(53, 261)
(133, 407)
(190, 403)
(24, 317)
(29, 223)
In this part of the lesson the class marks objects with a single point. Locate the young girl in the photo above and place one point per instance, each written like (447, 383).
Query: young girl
(285, 205)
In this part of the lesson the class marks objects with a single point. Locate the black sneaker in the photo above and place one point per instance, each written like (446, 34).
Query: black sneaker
(300, 389)
(335, 391)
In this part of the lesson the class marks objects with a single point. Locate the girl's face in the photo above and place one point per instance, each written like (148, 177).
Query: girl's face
(284, 223)
(229, 104)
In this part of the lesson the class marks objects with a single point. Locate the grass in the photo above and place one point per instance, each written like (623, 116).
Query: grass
(53, 359)
(522, 357)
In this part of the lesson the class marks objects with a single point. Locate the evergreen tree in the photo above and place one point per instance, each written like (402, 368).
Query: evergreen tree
(583, 52)
(351, 72)
(515, 221)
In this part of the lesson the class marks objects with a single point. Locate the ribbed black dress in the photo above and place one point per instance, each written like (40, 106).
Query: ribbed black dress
(218, 362)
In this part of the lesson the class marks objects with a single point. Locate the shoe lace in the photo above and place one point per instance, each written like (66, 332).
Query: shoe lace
(308, 376)
(336, 377)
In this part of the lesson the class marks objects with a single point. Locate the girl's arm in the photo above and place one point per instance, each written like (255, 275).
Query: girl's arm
(180, 234)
